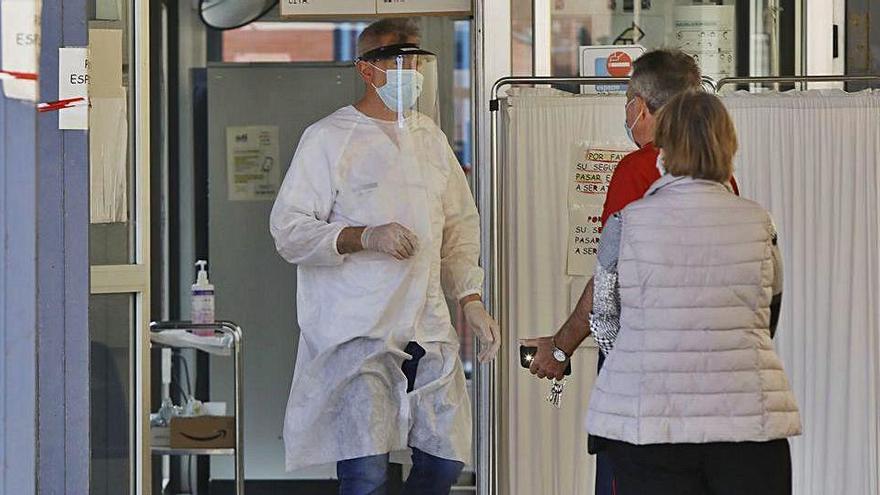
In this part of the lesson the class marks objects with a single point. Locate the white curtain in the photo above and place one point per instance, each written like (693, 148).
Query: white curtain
(813, 160)
(547, 447)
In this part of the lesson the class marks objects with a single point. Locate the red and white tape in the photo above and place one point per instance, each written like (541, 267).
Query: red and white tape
(21, 76)
(62, 104)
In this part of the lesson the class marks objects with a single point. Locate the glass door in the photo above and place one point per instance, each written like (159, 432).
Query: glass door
(119, 246)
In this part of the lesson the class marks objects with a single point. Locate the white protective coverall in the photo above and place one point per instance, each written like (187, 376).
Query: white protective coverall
(357, 312)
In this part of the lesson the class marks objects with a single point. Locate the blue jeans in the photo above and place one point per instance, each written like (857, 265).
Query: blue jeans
(604, 470)
(430, 475)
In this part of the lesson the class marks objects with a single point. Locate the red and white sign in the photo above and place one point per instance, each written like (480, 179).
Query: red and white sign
(608, 61)
(619, 64)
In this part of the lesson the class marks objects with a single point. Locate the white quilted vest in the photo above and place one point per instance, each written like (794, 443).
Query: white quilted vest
(694, 362)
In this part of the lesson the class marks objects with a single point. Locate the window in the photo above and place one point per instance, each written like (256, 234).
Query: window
(292, 42)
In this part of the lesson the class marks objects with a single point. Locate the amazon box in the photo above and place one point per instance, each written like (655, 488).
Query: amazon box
(203, 432)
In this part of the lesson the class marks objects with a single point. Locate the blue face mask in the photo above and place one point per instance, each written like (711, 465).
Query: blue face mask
(402, 88)
(629, 128)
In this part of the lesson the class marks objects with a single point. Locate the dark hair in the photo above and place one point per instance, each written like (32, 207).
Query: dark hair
(398, 30)
(661, 74)
(697, 137)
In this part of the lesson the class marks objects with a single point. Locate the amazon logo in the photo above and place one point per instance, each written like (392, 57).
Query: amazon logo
(216, 436)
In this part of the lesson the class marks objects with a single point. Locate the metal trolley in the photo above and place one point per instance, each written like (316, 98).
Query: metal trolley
(234, 331)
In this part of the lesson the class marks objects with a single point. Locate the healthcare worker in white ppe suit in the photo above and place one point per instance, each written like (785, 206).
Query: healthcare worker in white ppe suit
(376, 213)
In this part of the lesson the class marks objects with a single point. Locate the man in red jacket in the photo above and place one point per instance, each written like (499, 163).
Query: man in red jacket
(657, 77)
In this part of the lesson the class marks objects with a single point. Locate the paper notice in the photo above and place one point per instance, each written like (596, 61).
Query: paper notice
(707, 32)
(108, 159)
(252, 160)
(589, 179)
(21, 47)
(108, 127)
(585, 230)
(105, 63)
(591, 173)
(73, 82)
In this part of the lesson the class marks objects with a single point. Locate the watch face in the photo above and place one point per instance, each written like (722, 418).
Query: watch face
(559, 355)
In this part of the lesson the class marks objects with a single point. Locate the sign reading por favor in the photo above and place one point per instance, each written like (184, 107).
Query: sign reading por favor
(591, 173)
(589, 179)
(584, 233)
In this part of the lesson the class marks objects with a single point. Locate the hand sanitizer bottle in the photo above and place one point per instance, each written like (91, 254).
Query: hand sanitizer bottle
(203, 299)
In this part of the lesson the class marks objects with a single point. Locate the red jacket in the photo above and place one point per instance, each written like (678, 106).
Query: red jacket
(633, 177)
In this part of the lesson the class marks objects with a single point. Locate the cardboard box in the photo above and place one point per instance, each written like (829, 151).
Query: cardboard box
(160, 436)
(203, 432)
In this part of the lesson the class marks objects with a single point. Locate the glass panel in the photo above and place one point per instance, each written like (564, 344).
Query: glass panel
(111, 325)
(292, 42)
(462, 141)
(862, 41)
(112, 233)
(728, 37)
(110, 244)
(521, 38)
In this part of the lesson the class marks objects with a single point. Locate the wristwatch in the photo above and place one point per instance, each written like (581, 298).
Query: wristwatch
(558, 354)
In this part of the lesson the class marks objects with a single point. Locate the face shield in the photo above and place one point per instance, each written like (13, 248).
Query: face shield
(406, 81)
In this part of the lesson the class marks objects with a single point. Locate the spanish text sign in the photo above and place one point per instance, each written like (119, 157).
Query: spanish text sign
(591, 173)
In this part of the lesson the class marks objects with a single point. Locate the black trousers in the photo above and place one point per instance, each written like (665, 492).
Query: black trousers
(744, 468)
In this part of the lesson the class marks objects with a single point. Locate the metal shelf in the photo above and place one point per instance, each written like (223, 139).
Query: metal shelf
(233, 330)
(170, 451)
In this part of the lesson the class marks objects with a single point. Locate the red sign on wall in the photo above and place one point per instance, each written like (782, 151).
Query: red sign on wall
(619, 64)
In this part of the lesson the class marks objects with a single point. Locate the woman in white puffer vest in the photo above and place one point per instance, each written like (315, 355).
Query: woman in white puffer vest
(693, 398)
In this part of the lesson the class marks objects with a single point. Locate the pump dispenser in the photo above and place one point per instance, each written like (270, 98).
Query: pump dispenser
(203, 299)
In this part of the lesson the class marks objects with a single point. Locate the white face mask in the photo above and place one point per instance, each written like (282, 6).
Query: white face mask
(402, 88)
(629, 128)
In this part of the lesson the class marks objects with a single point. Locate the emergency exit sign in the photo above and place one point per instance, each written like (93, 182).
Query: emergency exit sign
(333, 8)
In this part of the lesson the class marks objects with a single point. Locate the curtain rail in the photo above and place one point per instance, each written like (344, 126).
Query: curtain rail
(795, 79)
(497, 304)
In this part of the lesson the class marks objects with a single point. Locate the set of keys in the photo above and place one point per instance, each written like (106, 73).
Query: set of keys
(555, 395)
(526, 356)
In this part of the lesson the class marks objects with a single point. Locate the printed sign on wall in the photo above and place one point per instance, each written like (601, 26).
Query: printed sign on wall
(73, 82)
(591, 173)
(608, 61)
(708, 33)
(252, 159)
(589, 179)
(21, 48)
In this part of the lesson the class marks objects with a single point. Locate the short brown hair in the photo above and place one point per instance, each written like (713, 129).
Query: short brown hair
(403, 30)
(697, 137)
(661, 74)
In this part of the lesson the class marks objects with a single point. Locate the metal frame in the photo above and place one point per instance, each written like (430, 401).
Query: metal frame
(494, 445)
(492, 60)
(134, 278)
(233, 330)
(794, 79)
(495, 210)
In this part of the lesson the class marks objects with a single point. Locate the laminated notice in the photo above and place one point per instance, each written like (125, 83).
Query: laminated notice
(589, 179)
